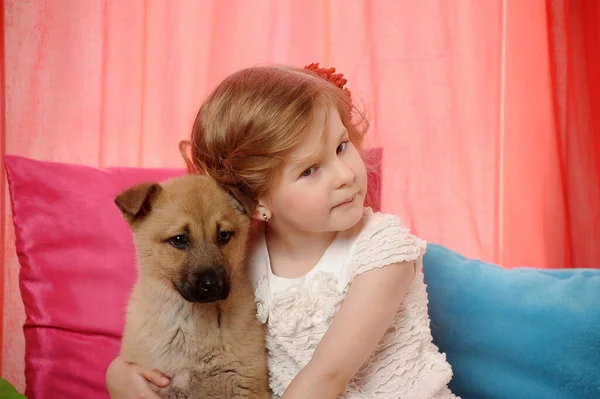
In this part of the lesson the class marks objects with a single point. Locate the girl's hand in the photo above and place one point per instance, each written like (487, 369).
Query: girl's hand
(129, 381)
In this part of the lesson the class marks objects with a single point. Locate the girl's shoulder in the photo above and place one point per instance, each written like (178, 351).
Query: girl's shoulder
(371, 217)
(381, 240)
(377, 224)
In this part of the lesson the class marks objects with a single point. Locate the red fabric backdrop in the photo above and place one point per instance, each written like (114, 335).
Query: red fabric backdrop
(574, 40)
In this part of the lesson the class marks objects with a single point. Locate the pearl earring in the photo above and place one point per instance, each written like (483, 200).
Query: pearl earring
(265, 217)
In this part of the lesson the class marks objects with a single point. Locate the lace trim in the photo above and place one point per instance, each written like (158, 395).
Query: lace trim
(293, 311)
(385, 243)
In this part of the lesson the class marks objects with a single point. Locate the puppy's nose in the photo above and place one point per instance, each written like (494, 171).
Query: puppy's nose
(210, 282)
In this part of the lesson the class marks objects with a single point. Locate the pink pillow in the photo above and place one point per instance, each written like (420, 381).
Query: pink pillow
(77, 268)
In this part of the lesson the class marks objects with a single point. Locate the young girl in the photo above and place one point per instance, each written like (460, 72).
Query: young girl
(339, 287)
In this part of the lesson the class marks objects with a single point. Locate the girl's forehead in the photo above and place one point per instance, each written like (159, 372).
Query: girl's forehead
(325, 127)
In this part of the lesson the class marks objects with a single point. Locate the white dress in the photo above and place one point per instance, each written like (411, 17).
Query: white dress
(297, 313)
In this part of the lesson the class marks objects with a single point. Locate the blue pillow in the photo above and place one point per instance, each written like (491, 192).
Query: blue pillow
(515, 333)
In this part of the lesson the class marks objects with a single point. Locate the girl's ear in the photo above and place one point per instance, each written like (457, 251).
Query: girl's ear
(261, 211)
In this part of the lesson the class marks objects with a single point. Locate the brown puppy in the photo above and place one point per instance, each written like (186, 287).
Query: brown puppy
(192, 314)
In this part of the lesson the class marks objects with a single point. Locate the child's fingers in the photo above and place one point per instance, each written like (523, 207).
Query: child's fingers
(154, 376)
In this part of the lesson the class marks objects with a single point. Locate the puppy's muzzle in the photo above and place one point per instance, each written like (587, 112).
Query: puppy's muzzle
(208, 285)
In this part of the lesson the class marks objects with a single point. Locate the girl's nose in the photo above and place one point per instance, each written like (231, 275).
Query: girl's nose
(343, 174)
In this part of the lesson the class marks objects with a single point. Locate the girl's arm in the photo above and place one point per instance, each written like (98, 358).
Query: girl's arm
(364, 316)
(128, 380)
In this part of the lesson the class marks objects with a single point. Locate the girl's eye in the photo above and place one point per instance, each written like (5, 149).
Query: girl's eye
(341, 147)
(309, 171)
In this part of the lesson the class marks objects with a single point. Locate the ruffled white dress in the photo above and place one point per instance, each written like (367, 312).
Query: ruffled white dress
(297, 313)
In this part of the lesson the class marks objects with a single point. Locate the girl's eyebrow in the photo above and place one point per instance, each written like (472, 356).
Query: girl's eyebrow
(303, 163)
(344, 133)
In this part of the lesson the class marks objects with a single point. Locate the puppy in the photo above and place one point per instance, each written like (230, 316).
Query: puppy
(192, 314)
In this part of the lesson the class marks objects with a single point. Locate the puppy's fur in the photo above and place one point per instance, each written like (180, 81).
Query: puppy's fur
(192, 314)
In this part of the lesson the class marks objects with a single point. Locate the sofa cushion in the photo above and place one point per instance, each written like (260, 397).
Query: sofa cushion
(515, 333)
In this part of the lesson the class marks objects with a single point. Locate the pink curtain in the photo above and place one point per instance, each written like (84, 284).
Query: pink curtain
(459, 93)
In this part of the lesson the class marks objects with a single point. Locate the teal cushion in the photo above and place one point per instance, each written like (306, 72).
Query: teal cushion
(515, 333)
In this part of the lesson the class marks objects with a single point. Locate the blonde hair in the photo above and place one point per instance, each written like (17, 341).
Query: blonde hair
(249, 123)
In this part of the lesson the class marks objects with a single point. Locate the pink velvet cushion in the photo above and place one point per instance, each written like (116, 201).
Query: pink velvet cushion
(77, 268)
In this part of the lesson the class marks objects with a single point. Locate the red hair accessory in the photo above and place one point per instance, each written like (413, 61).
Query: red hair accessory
(329, 74)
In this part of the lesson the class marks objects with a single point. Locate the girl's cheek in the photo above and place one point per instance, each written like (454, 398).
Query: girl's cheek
(297, 202)
(289, 200)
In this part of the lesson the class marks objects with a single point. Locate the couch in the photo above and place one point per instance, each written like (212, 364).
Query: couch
(508, 333)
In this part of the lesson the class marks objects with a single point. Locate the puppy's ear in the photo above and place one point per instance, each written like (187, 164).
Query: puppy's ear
(239, 200)
(135, 202)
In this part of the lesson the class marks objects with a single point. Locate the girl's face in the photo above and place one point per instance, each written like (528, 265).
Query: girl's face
(323, 181)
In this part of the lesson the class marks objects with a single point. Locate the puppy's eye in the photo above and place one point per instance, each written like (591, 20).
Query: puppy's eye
(180, 241)
(224, 236)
